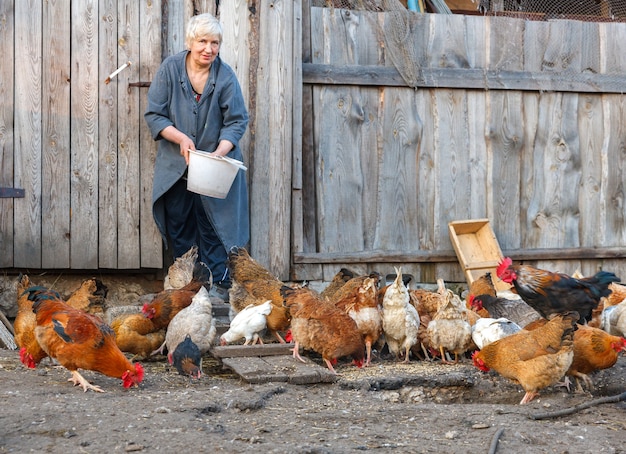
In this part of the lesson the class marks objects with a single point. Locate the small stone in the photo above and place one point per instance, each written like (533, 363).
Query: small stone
(481, 426)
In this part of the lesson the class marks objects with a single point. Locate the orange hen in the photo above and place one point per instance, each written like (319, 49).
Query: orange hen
(24, 325)
(254, 284)
(534, 359)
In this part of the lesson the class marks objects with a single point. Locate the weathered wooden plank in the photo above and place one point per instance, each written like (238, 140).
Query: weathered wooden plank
(84, 140)
(592, 133)
(551, 197)
(613, 182)
(236, 351)
(282, 368)
(392, 204)
(463, 78)
(505, 136)
(129, 115)
(56, 135)
(349, 258)
(7, 150)
(6, 338)
(272, 163)
(237, 21)
(107, 136)
(151, 244)
(28, 133)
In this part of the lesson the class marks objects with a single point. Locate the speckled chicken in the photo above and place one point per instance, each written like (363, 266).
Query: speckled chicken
(449, 330)
(180, 272)
(359, 299)
(401, 321)
(195, 321)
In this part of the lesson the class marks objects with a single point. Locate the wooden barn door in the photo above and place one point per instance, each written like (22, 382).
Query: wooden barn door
(77, 146)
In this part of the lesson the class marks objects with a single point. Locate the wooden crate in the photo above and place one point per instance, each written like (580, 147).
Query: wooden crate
(477, 249)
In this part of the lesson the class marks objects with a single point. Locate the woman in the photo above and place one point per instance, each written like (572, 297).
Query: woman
(195, 102)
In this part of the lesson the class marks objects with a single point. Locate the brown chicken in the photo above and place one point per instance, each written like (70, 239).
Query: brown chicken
(427, 304)
(359, 299)
(78, 340)
(594, 349)
(254, 284)
(617, 296)
(24, 325)
(342, 277)
(322, 327)
(136, 334)
(552, 293)
(449, 330)
(167, 303)
(90, 297)
(481, 286)
(534, 359)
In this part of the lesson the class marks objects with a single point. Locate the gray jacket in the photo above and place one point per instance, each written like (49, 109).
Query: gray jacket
(171, 102)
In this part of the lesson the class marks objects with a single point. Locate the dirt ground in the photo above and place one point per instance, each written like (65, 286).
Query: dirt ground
(388, 407)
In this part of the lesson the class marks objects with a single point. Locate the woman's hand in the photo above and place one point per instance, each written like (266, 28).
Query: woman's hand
(223, 148)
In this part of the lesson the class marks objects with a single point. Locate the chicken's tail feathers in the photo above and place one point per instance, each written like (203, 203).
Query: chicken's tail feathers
(202, 273)
(605, 278)
(39, 294)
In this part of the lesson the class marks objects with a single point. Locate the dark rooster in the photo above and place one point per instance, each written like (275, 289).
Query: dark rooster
(553, 293)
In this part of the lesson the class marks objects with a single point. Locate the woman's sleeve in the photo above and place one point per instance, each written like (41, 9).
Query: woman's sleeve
(157, 114)
(234, 111)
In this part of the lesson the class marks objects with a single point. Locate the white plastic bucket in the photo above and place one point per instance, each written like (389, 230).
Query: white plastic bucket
(211, 175)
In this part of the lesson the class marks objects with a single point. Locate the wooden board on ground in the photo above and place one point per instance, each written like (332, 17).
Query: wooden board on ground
(271, 363)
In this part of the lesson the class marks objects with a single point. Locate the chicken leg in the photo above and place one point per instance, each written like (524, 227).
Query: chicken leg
(78, 379)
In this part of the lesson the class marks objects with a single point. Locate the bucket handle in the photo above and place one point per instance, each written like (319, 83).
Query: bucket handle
(232, 161)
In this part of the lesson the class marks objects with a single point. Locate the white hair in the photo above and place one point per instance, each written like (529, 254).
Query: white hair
(203, 25)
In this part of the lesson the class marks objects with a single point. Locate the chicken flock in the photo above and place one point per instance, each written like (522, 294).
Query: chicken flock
(549, 329)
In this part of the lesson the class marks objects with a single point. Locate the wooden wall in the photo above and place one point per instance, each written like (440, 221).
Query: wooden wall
(348, 165)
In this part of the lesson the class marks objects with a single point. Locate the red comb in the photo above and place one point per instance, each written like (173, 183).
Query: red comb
(504, 264)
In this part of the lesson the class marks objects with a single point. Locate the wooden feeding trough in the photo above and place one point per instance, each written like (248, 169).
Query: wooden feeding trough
(477, 249)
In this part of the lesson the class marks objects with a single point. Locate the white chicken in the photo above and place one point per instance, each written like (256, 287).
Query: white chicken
(247, 324)
(487, 330)
(613, 319)
(195, 321)
(449, 329)
(400, 318)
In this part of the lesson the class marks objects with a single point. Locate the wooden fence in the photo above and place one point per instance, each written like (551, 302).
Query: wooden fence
(348, 166)
(516, 121)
